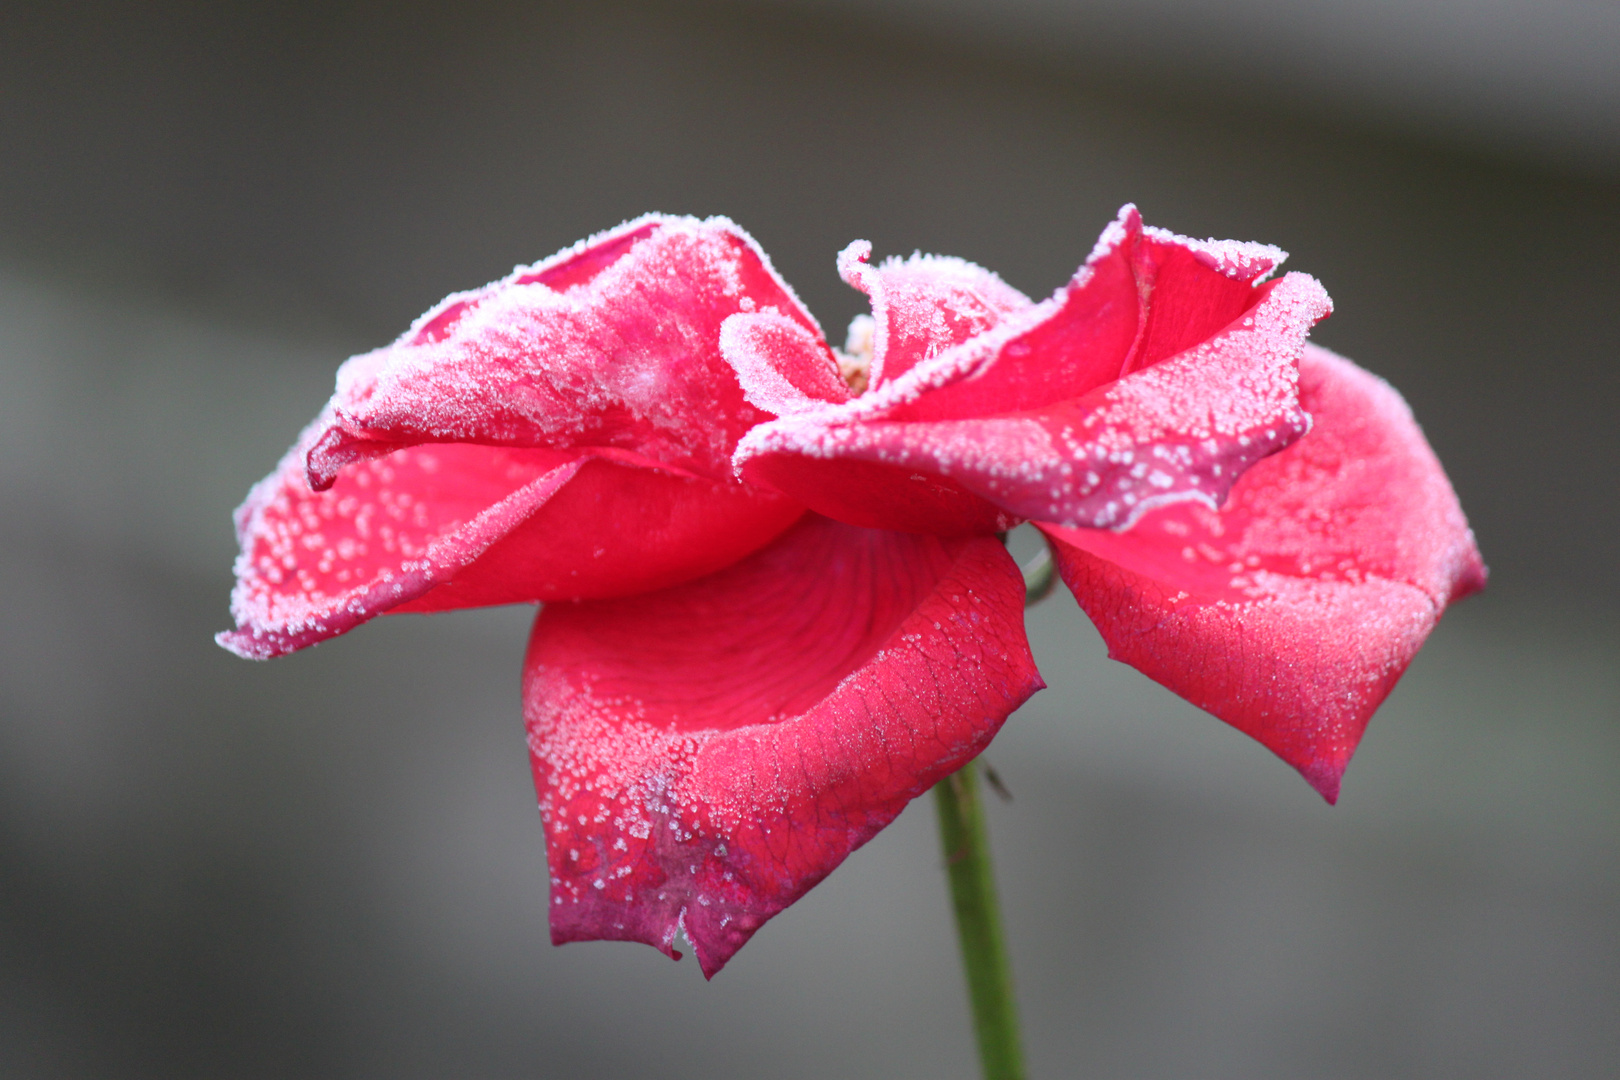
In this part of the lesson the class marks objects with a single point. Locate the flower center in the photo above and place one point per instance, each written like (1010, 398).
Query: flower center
(855, 358)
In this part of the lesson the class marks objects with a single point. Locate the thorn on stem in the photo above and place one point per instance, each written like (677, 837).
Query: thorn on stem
(993, 778)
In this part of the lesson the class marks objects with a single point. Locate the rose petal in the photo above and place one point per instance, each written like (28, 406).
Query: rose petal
(1143, 295)
(924, 305)
(613, 343)
(443, 526)
(706, 754)
(782, 367)
(1182, 428)
(1291, 612)
(616, 529)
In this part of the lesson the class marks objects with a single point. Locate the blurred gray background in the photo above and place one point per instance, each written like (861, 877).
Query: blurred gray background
(330, 865)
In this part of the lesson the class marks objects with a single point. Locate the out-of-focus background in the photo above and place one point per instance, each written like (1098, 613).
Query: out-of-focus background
(331, 865)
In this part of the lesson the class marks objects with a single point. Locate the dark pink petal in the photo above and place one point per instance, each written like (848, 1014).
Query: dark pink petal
(924, 305)
(1182, 428)
(1292, 611)
(442, 526)
(616, 529)
(613, 343)
(706, 754)
(1142, 296)
(562, 433)
(1190, 288)
(874, 494)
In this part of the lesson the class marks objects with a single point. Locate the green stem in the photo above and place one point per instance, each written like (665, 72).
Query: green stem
(1040, 574)
(978, 924)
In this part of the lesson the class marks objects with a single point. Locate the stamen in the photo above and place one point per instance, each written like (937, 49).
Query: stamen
(855, 359)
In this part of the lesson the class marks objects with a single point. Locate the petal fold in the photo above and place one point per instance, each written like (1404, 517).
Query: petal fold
(924, 305)
(706, 754)
(782, 367)
(611, 344)
(563, 433)
(1292, 611)
(434, 527)
(1160, 373)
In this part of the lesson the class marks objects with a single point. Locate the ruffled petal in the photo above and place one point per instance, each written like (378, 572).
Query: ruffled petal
(1143, 295)
(924, 305)
(612, 343)
(1291, 612)
(1183, 427)
(706, 754)
(563, 433)
(434, 527)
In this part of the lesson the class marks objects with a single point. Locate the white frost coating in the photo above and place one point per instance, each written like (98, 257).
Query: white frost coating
(521, 363)
(601, 748)
(918, 299)
(759, 345)
(1202, 416)
(395, 553)
(1258, 357)
(717, 223)
(971, 357)
(1240, 259)
(853, 264)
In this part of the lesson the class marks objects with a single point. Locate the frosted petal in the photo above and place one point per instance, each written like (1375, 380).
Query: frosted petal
(706, 754)
(434, 527)
(613, 343)
(782, 367)
(1291, 612)
(564, 432)
(924, 305)
(316, 564)
(1180, 427)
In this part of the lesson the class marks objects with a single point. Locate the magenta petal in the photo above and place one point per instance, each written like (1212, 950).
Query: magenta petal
(614, 530)
(1143, 295)
(1181, 429)
(443, 526)
(613, 343)
(706, 754)
(1291, 612)
(924, 305)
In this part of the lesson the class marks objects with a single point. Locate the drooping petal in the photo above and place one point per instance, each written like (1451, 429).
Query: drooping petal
(612, 343)
(1181, 427)
(1292, 611)
(706, 754)
(433, 527)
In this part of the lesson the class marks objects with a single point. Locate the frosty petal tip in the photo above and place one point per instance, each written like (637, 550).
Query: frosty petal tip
(853, 264)
(246, 645)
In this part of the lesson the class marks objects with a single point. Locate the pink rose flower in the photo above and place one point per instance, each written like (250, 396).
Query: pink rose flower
(789, 611)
